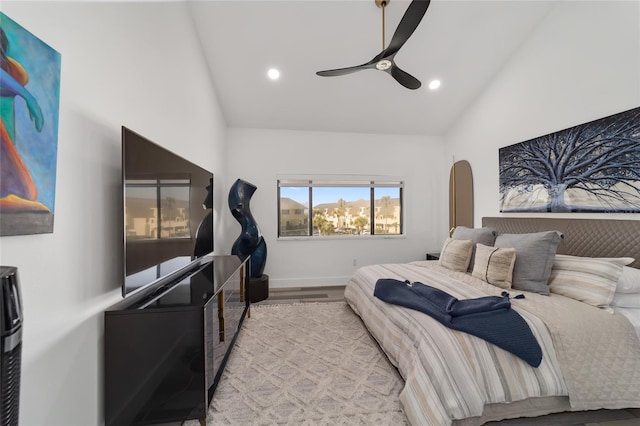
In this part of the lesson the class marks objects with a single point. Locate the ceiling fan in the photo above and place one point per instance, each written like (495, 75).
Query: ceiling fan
(384, 60)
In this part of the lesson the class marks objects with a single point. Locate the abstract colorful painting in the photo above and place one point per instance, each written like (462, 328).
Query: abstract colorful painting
(592, 167)
(29, 104)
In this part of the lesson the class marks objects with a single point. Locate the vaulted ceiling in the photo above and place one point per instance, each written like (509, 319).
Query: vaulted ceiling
(462, 43)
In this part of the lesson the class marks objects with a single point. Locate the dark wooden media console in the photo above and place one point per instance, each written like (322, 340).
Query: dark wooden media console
(165, 350)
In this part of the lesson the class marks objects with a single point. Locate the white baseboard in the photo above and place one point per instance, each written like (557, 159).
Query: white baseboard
(308, 282)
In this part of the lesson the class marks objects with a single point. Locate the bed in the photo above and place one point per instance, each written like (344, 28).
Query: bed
(591, 351)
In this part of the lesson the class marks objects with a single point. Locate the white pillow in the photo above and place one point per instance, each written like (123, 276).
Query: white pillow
(626, 300)
(587, 279)
(624, 261)
(629, 281)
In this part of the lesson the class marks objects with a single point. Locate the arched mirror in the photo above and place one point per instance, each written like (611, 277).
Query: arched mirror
(460, 195)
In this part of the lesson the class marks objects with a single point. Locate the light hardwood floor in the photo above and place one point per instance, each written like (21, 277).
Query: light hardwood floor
(629, 417)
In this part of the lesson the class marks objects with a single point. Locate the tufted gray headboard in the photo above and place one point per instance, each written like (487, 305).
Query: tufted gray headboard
(582, 237)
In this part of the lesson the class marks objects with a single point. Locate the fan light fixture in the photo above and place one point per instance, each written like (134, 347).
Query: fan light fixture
(383, 64)
(434, 84)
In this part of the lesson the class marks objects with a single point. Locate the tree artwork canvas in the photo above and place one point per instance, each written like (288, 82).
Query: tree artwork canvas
(29, 103)
(592, 167)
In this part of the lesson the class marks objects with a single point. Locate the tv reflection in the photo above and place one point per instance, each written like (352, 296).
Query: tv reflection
(204, 234)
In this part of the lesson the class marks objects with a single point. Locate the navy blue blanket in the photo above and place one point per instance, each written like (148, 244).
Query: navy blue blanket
(490, 318)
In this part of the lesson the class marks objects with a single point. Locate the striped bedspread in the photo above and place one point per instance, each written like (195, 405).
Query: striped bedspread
(450, 375)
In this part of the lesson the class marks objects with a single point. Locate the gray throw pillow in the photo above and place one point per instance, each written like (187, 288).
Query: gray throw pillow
(534, 258)
(485, 235)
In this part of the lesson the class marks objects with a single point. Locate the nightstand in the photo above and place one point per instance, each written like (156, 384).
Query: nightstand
(433, 256)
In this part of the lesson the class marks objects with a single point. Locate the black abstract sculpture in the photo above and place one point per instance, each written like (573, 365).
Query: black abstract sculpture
(250, 241)
(204, 234)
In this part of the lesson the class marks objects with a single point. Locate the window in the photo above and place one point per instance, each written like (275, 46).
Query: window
(339, 207)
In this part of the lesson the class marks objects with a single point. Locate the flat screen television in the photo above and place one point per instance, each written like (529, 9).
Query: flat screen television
(168, 217)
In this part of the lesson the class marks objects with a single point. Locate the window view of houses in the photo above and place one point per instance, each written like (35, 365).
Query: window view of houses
(157, 209)
(340, 211)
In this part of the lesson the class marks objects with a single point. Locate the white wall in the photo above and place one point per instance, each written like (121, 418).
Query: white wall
(122, 64)
(582, 63)
(260, 156)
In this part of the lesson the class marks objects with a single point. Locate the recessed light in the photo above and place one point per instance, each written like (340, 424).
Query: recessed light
(273, 74)
(434, 84)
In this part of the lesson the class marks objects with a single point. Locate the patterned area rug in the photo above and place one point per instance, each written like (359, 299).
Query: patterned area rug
(306, 364)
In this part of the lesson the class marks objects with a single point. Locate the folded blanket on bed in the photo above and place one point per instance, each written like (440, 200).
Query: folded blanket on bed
(490, 318)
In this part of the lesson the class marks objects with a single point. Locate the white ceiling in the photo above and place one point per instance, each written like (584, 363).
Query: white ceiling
(462, 43)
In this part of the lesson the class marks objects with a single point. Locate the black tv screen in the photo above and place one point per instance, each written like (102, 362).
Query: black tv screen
(168, 219)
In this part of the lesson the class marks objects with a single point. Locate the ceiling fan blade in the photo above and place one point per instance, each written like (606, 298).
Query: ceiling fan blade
(340, 71)
(404, 78)
(408, 24)
(347, 70)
